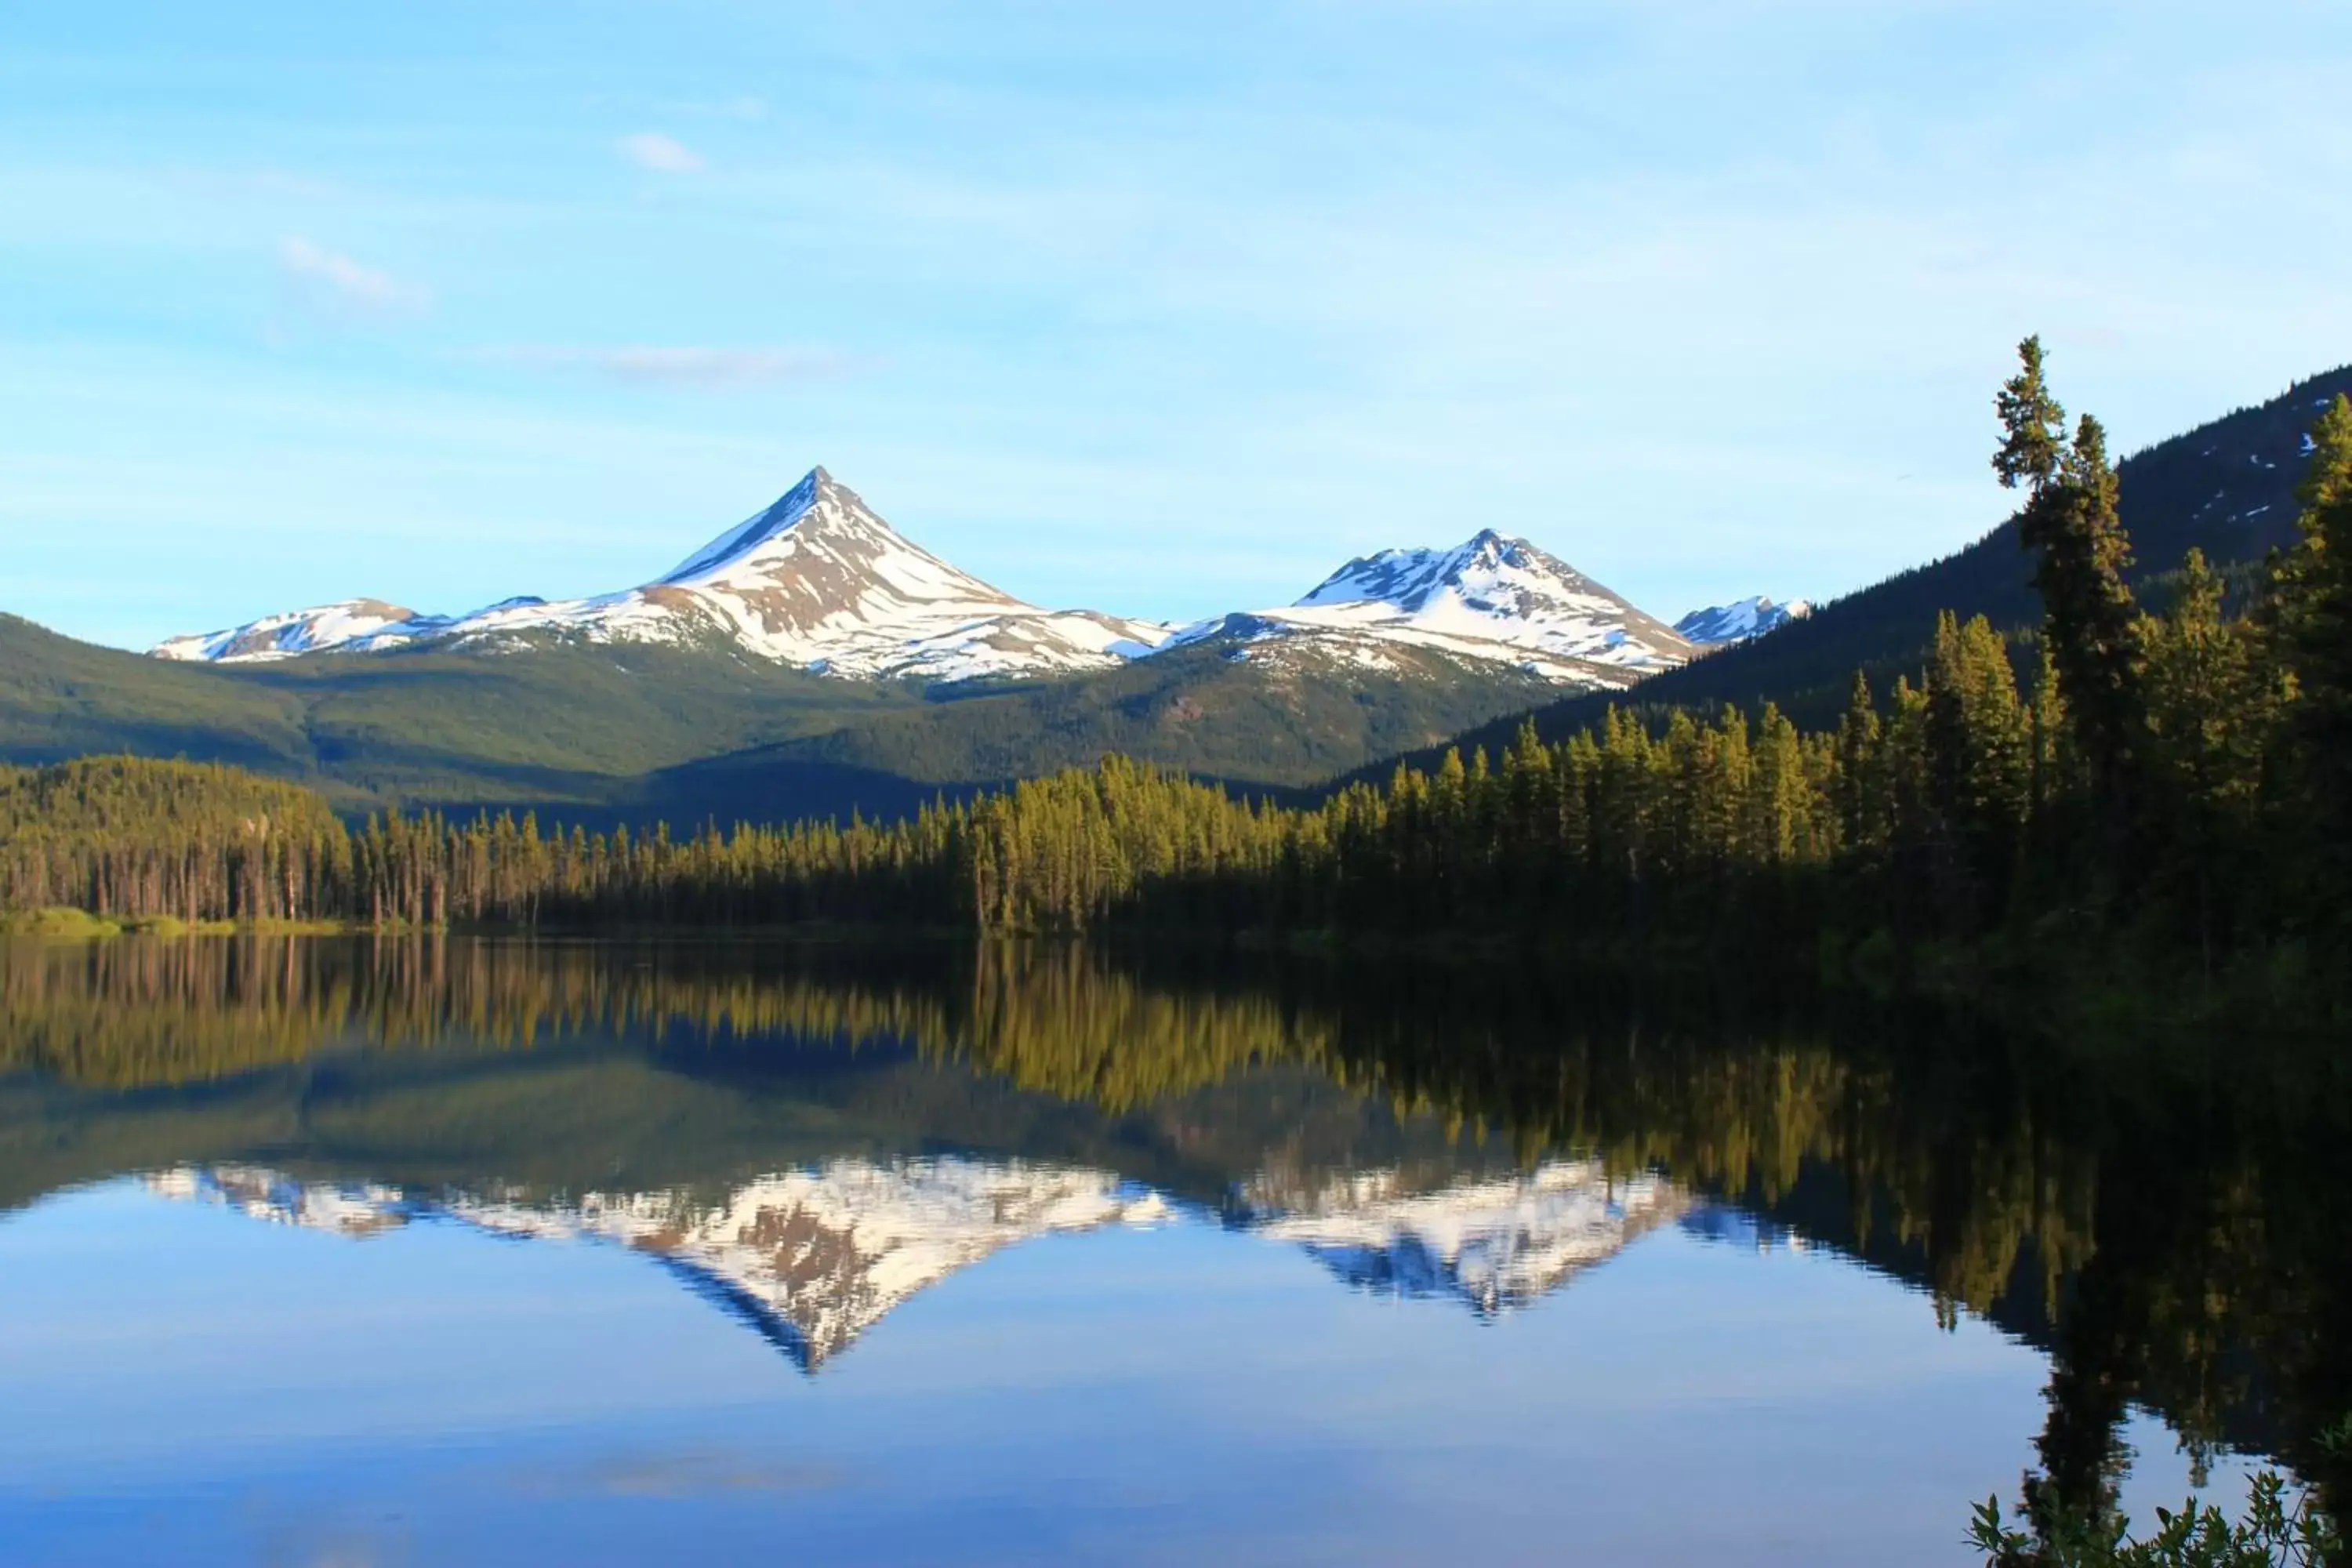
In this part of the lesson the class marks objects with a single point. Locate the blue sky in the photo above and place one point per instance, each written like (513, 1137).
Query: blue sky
(1160, 309)
(1190, 1393)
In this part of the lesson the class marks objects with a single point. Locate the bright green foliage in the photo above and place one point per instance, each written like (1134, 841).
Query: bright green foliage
(2207, 719)
(2072, 525)
(2033, 426)
(2277, 1530)
(122, 837)
(1979, 757)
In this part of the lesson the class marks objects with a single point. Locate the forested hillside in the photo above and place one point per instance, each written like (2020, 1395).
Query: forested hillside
(1293, 719)
(638, 733)
(2226, 488)
(558, 725)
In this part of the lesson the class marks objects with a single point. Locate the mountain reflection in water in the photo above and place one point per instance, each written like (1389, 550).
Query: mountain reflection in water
(812, 1137)
(814, 1258)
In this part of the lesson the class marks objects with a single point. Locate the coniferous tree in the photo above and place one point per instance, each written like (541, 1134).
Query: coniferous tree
(2070, 523)
(2314, 617)
(2205, 718)
(1861, 799)
(1979, 764)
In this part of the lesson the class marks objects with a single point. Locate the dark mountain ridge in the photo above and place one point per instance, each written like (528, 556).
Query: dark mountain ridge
(2226, 486)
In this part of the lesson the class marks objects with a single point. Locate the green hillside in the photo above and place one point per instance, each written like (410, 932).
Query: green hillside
(1196, 708)
(2226, 486)
(555, 723)
(636, 733)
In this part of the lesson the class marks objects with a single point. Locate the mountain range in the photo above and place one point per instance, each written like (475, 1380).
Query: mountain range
(811, 661)
(820, 582)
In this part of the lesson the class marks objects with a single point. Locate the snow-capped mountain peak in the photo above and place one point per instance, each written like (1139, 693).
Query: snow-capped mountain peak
(1491, 597)
(1411, 579)
(820, 579)
(1739, 620)
(820, 536)
(757, 530)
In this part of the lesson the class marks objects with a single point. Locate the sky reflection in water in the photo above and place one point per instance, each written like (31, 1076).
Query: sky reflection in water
(1114, 1374)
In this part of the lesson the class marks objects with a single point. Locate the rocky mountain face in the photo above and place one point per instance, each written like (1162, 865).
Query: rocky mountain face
(820, 582)
(814, 1258)
(1739, 620)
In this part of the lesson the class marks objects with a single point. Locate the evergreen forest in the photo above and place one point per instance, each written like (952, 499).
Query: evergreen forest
(2164, 790)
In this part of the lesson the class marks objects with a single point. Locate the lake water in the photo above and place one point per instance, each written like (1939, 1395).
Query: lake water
(440, 1251)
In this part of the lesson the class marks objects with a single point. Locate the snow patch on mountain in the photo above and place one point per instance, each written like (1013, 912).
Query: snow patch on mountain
(351, 623)
(1490, 598)
(1739, 620)
(818, 580)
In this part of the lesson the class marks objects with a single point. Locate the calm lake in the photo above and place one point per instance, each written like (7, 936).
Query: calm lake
(445, 1251)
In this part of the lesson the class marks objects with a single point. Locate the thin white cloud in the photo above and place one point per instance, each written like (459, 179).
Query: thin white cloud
(341, 284)
(664, 154)
(700, 369)
(749, 108)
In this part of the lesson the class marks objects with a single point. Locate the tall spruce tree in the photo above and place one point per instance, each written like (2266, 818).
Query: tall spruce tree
(2033, 426)
(2071, 524)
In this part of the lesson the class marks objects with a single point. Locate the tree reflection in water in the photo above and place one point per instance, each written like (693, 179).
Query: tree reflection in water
(2157, 1213)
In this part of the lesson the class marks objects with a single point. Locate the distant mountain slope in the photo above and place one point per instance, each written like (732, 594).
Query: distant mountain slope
(60, 698)
(1739, 620)
(2226, 486)
(1291, 723)
(644, 732)
(1490, 597)
(565, 725)
(347, 624)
